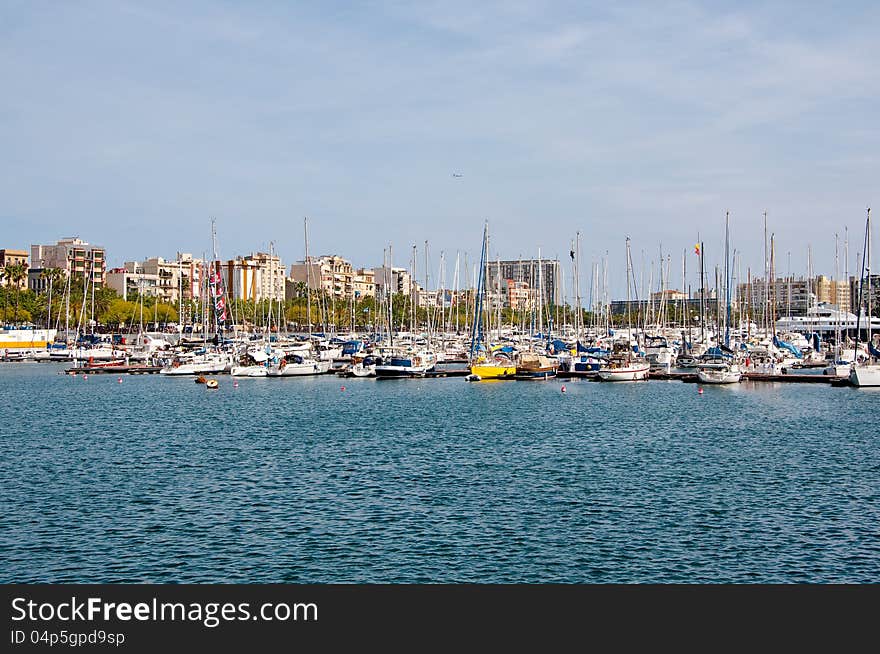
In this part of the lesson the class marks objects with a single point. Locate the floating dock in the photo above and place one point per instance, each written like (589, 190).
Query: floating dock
(113, 370)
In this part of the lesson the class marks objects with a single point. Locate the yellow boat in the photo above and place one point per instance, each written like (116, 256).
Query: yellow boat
(495, 368)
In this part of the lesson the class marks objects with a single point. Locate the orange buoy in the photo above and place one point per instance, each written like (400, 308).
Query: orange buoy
(700, 391)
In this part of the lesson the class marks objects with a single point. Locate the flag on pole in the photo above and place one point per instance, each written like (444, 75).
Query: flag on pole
(697, 249)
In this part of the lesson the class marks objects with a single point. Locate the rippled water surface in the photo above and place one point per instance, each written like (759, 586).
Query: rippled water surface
(296, 480)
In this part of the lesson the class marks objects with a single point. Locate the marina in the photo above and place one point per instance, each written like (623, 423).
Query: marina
(304, 482)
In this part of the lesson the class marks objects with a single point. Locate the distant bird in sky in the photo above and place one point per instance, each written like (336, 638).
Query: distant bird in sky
(457, 175)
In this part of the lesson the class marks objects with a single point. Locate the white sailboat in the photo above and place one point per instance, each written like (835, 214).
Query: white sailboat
(298, 360)
(729, 373)
(866, 371)
(622, 366)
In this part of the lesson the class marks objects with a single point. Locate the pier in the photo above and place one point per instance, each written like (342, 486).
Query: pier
(115, 370)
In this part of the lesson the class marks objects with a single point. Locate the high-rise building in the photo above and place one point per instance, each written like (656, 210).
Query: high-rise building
(833, 292)
(534, 273)
(785, 296)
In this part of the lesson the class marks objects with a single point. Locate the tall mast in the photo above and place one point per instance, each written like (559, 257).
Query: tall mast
(702, 293)
(412, 293)
(765, 313)
(868, 272)
(308, 278)
(772, 287)
(540, 294)
(389, 279)
(628, 299)
(727, 277)
(476, 325)
(836, 302)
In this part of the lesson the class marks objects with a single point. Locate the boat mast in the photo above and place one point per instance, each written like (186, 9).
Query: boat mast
(308, 279)
(764, 321)
(476, 325)
(389, 279)
(865, 266)
(868, 274)
(540, 294)
(628, 298)
(702, 293)
(727, 278)
(836, 295)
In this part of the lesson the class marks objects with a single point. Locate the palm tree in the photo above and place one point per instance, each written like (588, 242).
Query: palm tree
(53, 278)
(15, 274)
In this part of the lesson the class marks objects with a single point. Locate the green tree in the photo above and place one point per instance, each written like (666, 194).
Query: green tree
(164, 313)
(119, 312)
(14, 275)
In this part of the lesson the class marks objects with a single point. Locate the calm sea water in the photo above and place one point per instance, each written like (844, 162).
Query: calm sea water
(295, 480)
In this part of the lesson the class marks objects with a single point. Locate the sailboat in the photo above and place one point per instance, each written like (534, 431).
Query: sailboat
(724, 369)
(866, 371)
(622, 365)
(207, 359)
(297, 360)
(486, 362)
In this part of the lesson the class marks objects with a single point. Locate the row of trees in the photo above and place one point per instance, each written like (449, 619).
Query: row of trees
(52, 308)
(24, 306)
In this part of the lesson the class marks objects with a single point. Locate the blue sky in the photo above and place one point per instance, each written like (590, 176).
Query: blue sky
(131, 124)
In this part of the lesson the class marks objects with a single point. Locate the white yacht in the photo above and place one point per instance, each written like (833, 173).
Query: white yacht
(729, 373)
(826, 319)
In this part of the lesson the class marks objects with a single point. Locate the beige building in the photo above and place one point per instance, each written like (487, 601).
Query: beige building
(364, 283)
(12, 258)
(520, 296)
(258, 276)
(329, 273)
(833, 292)
(74, 256)
(169, 281)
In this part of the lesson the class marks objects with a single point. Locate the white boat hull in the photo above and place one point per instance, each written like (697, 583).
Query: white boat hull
(199, 368)
(719, 376)
(300, 369)
(630, 373)
(360, 370)
(248, 371)
(863, 376)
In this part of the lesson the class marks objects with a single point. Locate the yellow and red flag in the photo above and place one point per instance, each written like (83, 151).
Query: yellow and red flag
(697, 248)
